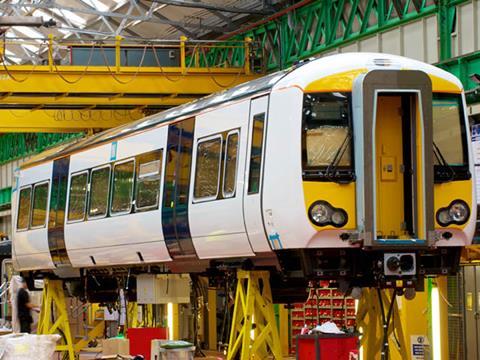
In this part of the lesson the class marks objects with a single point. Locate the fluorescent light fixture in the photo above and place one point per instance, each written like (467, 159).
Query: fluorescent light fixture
(170, 320)
(96, 4)
(436, 331)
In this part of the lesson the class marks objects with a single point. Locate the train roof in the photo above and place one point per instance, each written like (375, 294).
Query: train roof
(298, 75)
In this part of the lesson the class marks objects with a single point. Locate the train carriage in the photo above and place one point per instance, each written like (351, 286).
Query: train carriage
(355, 167)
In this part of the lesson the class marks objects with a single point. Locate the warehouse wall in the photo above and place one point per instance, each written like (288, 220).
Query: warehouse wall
(420, 39)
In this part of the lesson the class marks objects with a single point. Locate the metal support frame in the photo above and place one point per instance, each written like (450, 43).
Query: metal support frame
(320, 26)
(55, 307)
(378, 327)
(254, 330)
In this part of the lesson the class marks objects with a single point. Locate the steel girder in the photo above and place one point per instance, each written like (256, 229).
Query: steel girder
(324, 25)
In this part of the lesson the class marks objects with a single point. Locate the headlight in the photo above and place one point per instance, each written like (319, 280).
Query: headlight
(321, 213)
(457, 213)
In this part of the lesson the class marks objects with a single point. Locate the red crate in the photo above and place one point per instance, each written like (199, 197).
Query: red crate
(140, 339)
(326, 346)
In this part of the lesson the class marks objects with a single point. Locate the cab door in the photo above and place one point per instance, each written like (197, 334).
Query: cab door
(252, 204)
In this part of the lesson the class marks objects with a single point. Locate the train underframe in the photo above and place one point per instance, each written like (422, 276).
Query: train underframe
(292, 271)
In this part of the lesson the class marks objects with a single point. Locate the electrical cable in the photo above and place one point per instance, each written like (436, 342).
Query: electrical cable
(112, 72)
(84, 70)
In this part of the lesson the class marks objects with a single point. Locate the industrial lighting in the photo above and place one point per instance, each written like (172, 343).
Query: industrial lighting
(436, 331)
(170, 320)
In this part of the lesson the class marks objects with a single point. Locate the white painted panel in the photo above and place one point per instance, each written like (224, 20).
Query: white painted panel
(141, 143)
(369, 45)
(349, 48)
(283, 201)
(431, 38)
(31, 246)
(465, 27)
(413, 40)
(224, 235)
(115, 235)
(391, 42)
(90, 158)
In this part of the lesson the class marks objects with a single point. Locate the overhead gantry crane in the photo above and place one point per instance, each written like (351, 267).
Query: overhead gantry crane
(103, 84)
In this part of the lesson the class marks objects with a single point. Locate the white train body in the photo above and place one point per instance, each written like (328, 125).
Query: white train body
(261, 214)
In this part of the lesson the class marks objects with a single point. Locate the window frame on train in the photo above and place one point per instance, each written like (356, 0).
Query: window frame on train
(255, 177)
(46, 207)
(231, 194)
(202, 141)
(27, 187)
(156, 155)
(91, 188)
(85, 196)
(113, 190)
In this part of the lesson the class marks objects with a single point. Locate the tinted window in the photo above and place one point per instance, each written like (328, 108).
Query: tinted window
(99, 190)
(230, 165)
(326, 126)
(207, 168)
(78, 197)
(149, 169)
(39, 211)
(122, 194)
(256, 154)
(449, 130)
(24, 208)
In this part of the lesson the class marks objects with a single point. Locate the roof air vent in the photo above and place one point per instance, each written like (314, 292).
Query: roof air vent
(382, 62)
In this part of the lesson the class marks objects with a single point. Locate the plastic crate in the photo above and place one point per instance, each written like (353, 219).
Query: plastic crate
(326, 346)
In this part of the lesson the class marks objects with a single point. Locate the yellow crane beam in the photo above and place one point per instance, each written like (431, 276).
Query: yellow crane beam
(69, 98)
(62, 121)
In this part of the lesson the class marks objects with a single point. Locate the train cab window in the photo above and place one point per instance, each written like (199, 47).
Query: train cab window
(207, 169)
(122, 192)
(230, 167)
(327, 137)
(39, 205)
(256, 154)
(449, 138)
(99, 190)
(149, 168)
(77, 197)
(24, 204)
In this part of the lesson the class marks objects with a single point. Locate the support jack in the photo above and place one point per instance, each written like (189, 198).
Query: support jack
(54, 306)
(254, 331)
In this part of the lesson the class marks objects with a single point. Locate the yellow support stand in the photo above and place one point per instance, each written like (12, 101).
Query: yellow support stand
(254, 330)
(53, 305)
(371, 322)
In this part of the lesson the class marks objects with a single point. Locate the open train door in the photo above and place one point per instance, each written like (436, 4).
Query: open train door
(252, 204)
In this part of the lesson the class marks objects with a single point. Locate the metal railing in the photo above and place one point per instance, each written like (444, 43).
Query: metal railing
(53, 55)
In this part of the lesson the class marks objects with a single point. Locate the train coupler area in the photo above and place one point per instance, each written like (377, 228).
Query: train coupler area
(396, 268)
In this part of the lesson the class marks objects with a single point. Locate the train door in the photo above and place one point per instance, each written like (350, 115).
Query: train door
(393, 164)
(217, 185)
(178, 163)
(56, 217)
(252, 204)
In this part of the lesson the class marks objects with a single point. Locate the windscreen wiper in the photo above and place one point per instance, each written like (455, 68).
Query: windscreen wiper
(441, 159)
(332, 167)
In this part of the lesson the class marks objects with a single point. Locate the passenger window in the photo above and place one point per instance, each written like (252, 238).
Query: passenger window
(256, 154)
(230, 172)
(149, 170)
(39, 208)
(99, 190)
(122, 194)
(24, 208)
(207, 168)
(77, 197)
